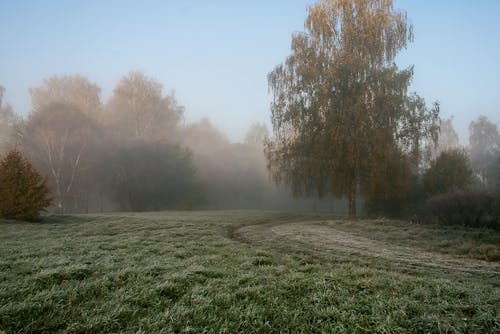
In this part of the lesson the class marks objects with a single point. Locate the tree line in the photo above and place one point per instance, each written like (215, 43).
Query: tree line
(133, 152)
(345, 125)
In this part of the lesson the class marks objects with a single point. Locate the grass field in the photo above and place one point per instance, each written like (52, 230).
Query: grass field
(251, 272)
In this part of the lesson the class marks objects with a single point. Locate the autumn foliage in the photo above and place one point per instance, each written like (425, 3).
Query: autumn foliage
(23, 192)
(343, 121)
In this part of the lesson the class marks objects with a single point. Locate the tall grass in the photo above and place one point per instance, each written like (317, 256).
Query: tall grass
(174, 272)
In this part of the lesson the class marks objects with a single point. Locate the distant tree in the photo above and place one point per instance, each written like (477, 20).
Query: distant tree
(23, 192)
(450, 171)
(203, 137)
(138, 109)
(340, 111)
(74, 90)
(58, 140)
(152, 176)
(418, 128)
(484, 145)
(234, 175)
(63, 154)
(496, 178)
(9, 125)
(447, 140)
(256, 135)
(448, 137)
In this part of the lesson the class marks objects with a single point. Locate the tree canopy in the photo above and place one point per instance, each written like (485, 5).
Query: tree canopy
(450, 171)
(74, 90)
(138, 108)
(484, 145)
(152, 176)
(9, 123)
(342, 118)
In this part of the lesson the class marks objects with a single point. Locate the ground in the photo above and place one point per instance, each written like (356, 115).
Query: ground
(251, 272)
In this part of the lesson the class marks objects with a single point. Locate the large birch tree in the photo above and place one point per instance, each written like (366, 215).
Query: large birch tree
(343, 121)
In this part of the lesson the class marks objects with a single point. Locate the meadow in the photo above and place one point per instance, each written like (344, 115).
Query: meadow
(245, 271)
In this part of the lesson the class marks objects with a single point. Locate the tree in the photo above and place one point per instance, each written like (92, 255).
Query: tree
(340, 111)
(152, 176)
(58, 139)
(447, 140)
(234, 175)
(74, 90)
(23, 192)
(63, 154)
(9, 123)
(496, 177)
(448, 137)
(138, 109)
(418, 129)
(256, 135)
(450, 171)
(484, 144)
(203, 137)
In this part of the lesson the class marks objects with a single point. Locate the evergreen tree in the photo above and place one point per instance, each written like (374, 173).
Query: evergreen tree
(23, 191)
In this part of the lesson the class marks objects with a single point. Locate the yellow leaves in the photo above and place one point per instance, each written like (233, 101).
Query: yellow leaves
(338, 99)
(366, 29)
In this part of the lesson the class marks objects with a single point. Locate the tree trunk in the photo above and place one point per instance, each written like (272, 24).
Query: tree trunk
(86, 201)
(60, 205)
(101, 202)
(352, 204)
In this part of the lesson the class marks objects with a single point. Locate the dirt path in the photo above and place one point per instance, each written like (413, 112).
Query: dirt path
(328, 239)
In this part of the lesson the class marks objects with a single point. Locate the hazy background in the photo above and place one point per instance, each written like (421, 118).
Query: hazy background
(216, 54)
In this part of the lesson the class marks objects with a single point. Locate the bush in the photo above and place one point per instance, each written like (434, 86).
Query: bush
(23, 192)
(403, 205)
(450, 171)
(473, 208)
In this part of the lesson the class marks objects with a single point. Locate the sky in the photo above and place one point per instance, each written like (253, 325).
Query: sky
(215, 55)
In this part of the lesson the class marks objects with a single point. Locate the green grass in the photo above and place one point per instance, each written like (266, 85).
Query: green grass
(200, 272)
(475, 243)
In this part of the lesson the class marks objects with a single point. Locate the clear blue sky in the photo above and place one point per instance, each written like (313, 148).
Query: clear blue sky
(216, 54)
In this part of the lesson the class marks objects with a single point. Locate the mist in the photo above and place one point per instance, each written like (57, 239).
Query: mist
(205, 103)
(136, 152)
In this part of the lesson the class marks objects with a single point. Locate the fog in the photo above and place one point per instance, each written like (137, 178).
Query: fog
(136, 152)
(104, 105)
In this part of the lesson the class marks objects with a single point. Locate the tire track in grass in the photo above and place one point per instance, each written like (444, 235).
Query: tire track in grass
(321, 237)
